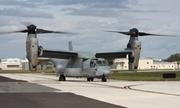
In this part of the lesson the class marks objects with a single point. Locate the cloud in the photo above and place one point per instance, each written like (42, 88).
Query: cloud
(89, 18)
(15, 41)
(102, 8)
(98, 8)
(89, 3)
(16, 3)
(95, 8)
(92, 12)
(5, 20)
(25, 13)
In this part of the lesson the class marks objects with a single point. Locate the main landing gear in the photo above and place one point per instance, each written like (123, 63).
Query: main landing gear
(62, 78)
(103, 79)
(90, 79)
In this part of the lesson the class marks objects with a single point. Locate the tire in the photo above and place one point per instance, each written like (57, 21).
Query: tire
(88, 79)
(92, 79)
(103, 79)
(62, 78)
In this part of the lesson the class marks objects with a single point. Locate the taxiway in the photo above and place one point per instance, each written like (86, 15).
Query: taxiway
(130, 94)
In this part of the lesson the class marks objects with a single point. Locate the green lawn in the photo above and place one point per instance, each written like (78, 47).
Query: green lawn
(144, 76)
(27, 71)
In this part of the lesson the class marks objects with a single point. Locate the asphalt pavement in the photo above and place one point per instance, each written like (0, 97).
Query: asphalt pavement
(41, 90)
(22, 94)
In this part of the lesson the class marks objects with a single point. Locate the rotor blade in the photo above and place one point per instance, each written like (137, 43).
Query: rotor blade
(125, 33)
(41, 31)
(20, 31)
(146, 34)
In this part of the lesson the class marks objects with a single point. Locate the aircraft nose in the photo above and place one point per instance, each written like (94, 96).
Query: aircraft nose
(103, 70)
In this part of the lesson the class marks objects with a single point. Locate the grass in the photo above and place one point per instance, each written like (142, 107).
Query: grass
(15, 71)
(144, 76)
(27, 71)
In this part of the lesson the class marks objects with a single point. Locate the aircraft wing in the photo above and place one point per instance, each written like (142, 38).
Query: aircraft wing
(114, 54)
(58, 54)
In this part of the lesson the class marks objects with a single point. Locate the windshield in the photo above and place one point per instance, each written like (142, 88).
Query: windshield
(99, 63)
(94, 63)
(105, 62)
(102, 63)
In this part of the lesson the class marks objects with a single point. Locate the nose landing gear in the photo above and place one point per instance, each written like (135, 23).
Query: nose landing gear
(103, 79)
(62, 78)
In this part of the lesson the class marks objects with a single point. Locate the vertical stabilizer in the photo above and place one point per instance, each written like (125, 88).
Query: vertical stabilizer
(70, 46)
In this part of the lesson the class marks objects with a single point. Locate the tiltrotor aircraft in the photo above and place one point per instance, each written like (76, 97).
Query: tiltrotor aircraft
(81, 63)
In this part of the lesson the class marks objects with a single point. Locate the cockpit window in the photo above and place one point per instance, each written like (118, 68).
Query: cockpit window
(94, 63)
(99, 63)
(105, 62)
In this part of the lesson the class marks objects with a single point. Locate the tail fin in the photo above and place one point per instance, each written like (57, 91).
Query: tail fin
(70, 46)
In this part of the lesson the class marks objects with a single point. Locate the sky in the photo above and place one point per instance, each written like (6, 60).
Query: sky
(89, 18)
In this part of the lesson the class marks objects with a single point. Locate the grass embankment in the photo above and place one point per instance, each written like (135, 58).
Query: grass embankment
(27, 71)
(144, 76)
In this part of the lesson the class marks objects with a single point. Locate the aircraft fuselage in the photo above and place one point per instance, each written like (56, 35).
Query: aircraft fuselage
(90, 68)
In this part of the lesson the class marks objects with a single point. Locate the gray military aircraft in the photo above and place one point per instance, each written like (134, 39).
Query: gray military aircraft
(77, 64)
(81, 63)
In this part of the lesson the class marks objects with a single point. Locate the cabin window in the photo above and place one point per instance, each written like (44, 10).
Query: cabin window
(92, 64)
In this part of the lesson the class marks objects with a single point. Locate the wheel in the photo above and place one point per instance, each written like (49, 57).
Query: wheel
(92, 79)
(103, 79)
(62, 78)
(88, 79)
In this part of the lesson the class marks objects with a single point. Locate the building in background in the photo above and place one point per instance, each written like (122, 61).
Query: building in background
(18, 64)
(25, 64)
(144, 63)
(11, 64)
(119, 64)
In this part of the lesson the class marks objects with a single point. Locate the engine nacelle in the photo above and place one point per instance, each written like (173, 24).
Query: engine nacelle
(137, 51)
(32, 53)
(134, 45)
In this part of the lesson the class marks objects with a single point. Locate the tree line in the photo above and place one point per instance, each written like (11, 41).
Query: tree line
(173, 57)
